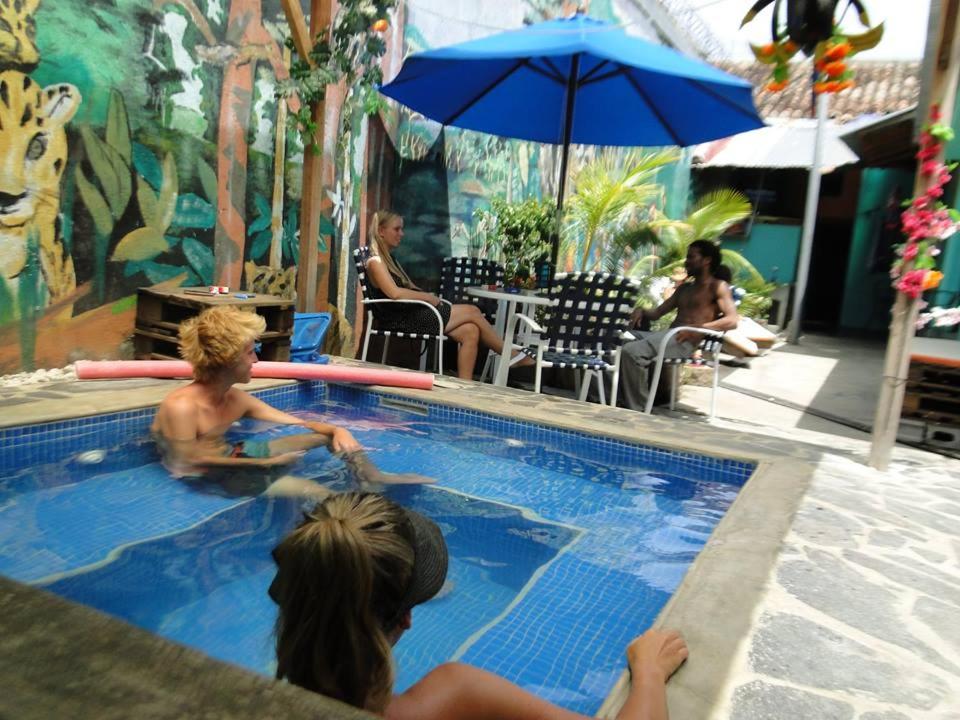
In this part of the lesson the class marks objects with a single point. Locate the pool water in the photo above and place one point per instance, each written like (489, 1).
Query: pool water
(563, 546)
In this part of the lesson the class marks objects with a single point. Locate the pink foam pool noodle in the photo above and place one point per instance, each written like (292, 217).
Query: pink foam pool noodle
(114, 369)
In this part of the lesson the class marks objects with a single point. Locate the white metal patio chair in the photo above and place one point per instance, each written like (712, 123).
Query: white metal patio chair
(370, 303)
(709, 348)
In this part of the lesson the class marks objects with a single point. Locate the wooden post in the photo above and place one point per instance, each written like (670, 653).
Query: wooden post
(943, 88)
(313, 266)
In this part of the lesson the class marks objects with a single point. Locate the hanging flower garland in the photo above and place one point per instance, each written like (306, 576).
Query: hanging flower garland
(832, 63)
(926, 220)
(820, 37)
(352, 53)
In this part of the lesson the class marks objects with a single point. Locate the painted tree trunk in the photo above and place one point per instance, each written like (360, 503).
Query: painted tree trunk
(279, 158)
(244, 29)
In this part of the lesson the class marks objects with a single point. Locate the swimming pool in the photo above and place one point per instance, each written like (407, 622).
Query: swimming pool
(563, 545)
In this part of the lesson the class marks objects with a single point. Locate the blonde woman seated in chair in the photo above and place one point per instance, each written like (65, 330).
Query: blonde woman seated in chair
(462, 322)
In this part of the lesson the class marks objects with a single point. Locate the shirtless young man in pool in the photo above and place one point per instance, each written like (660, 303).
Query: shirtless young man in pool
(192, 421)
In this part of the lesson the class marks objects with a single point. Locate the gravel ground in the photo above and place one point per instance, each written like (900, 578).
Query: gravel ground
(39, 376)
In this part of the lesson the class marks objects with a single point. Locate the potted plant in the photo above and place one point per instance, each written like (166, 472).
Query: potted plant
(521, 234)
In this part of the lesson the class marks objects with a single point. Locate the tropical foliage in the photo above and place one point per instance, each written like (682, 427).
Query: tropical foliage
(614, 194)
(520, 233)
(351, 53)
(712, 214)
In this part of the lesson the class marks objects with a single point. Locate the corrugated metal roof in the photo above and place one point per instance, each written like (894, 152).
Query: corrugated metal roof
(787, 144)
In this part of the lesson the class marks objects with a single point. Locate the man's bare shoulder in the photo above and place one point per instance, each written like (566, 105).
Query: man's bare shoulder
(180, 402)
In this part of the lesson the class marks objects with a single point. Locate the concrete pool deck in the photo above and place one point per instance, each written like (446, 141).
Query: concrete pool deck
(829, 590)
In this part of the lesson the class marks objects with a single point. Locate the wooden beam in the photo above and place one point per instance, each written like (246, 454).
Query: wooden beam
(943, 89)
(302, 40)
(309, 267)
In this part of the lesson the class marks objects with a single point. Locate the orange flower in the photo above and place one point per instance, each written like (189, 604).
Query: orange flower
(835, 69)
(839, 51)
(845, 85)
(932, 279)
(777, 86)
(819, 87)
(768, 50)
(790, 46)
(831, 86)
(380, 25)
(820, 64)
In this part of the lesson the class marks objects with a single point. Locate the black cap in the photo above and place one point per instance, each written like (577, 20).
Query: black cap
(429, 564)
(430, 561)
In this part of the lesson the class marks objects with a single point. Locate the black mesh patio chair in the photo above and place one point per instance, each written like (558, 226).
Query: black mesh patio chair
(583, 328)
(459, 273)
(373, 327)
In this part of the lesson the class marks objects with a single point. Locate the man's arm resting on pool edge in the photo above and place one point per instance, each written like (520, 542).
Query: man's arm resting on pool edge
(340, 439)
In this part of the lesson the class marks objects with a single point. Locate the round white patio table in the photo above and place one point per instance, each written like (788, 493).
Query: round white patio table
(506, 306)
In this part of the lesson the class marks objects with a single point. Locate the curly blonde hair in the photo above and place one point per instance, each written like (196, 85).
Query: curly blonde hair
(215, 339)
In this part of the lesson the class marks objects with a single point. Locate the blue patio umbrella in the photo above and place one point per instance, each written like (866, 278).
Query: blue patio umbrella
(575, 80)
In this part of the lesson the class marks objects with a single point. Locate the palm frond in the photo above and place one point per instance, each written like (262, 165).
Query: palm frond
(716, 211)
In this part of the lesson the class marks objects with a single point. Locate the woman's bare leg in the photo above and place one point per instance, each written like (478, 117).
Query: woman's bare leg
(464, 314)
(468, 336)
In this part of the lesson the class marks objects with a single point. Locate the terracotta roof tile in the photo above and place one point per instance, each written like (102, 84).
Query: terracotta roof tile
(882, 87)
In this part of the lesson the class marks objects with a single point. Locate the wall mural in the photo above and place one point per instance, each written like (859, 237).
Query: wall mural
(174, 169)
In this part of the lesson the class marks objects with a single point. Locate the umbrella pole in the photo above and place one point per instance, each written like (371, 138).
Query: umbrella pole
(571, 98)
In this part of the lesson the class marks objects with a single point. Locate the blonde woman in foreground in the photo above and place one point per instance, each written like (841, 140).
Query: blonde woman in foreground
(462, 322)
(347, 581)
(192, 421)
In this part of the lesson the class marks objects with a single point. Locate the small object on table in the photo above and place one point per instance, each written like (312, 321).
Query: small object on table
(244, 296)
(205, 293)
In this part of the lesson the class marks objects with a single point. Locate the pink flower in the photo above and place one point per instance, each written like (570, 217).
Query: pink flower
(911, 284)
(910, 251)
(929, 167)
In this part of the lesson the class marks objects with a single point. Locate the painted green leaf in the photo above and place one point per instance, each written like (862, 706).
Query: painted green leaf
(263, 205)
(6, 302)
(123, 304)
(258, 225)
(167, 201)
(208, 180)
(96, 205)
(147, 201)
(291, 249)
(160, 272)
(326, 227)
(111, 171)
(261, 244)
(200, 258)
(118, 127)
(172, 241)
(192, 211)
(141, 244)
(147, 165)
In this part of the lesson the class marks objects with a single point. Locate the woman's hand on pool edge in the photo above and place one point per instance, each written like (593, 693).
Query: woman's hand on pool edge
(656, 651)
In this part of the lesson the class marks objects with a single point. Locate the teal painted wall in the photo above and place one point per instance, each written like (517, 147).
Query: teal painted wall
(868, 296)
(772, 249)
